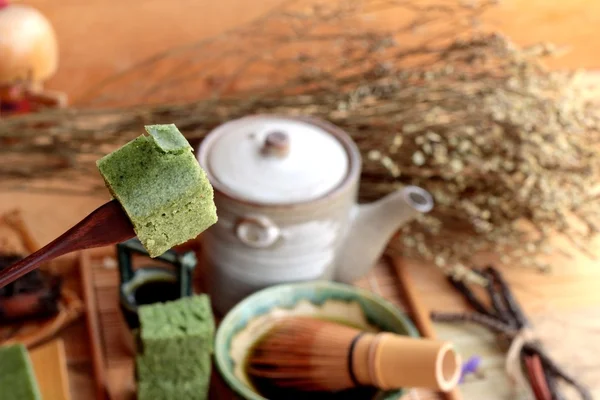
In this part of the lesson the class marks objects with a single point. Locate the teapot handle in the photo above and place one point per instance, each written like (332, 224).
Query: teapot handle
(257, 231)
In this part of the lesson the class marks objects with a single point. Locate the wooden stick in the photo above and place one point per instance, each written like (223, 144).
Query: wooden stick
(419, 312)
(106, 225)
(89, 295)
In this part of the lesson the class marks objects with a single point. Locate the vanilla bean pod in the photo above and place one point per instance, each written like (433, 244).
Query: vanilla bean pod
(477, 318)
(508, 318)
(470, 296)
(521, 321)
(554, 368)
(511, 302)
(552, 384)
(508, 310)
(498, 302)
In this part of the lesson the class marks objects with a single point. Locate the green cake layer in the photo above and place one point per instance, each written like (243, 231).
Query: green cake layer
(161, 187)
(17, 379)
(176, 340)
(159, 390)
(186, 368)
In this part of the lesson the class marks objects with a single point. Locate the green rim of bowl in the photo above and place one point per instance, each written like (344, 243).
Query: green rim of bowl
(222, 344)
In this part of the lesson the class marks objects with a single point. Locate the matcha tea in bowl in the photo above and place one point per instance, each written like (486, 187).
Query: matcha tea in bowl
(286, 189)
(251, 326)
(160, 194)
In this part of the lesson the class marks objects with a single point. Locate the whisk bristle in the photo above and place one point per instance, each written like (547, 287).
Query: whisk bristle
(303, 353)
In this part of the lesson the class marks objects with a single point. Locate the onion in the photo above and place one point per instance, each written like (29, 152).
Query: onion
(28, 45)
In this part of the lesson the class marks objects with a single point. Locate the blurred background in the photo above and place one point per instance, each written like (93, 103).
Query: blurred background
(100, 38)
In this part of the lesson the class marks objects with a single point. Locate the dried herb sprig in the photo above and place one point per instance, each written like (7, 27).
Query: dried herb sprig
(508, 149)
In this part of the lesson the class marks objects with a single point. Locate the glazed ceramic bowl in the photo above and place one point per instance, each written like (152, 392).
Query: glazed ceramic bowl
(377, 311)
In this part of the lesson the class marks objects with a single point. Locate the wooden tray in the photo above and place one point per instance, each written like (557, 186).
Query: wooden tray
(113, 359)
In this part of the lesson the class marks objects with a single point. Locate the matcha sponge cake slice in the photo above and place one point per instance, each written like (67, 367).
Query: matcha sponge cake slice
(161, 187)
(17, 379)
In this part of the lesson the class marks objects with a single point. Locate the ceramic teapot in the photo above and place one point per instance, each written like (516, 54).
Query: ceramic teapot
(286, 193)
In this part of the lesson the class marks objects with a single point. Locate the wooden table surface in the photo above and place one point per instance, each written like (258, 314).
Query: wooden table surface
(564, 305)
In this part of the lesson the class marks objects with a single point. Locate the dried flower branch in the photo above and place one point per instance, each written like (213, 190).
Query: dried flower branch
(508, 150)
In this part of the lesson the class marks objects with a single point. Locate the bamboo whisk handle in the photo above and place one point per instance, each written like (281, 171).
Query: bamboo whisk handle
(390, 361)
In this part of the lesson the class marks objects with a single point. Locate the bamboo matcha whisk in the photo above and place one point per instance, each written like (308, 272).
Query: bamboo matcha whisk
(310, 354)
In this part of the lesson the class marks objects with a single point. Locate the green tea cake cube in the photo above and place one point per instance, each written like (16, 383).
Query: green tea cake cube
(176, 338)
(17, 378)
(161, 187)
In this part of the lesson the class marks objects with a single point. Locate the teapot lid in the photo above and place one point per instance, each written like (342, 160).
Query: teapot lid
(274, 160)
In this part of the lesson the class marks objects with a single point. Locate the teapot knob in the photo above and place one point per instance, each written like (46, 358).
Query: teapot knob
(257, 231)
(277, 144)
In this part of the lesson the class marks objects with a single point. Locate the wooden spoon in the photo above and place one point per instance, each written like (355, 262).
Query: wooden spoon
(107, 225)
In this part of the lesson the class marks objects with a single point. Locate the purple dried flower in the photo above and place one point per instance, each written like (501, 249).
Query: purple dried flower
(470, 367)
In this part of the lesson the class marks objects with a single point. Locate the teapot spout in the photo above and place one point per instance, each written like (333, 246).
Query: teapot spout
(373, 225)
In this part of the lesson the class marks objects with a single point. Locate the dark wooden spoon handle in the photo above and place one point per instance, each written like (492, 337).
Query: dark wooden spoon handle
(105, 226)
